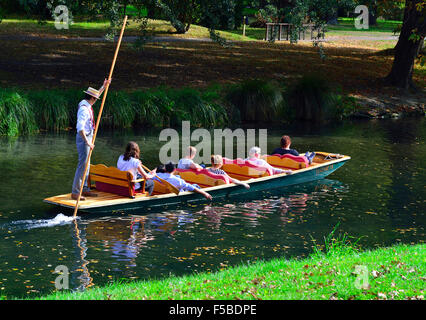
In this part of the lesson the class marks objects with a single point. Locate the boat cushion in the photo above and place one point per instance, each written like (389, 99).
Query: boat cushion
(110, 188)
(243, 169)
(112, 180)
(202, 177)
(287, 161)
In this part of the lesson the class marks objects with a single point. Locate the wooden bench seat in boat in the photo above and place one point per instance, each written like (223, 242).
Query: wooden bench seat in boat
(113, 180)
(244, 170)
(287, 161)
(159, 188)
(202, 177)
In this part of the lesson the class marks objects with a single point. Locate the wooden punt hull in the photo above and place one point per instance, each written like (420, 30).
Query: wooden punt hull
(110, 203)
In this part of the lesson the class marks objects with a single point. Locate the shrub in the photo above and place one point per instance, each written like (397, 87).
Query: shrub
(119, 111)
(16, 116)
(257, 100)
(313, 99)
(51, 109)
(152, 107)
(190, 105)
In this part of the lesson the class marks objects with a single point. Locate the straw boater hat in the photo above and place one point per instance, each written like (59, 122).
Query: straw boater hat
(93, 92)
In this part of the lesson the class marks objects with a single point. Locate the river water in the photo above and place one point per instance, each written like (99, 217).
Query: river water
(379, 195)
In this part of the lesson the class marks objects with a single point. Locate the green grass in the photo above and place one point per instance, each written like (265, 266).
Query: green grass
(346, 27)
(391, 273)
(16, 114)
(257, 100)
(99, 29)
(50, 109)
(53, 110)
(25, 112)
(157, 27)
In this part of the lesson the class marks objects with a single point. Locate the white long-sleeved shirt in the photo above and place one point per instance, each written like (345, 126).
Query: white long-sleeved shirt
(263, 163)
(177, 181)
(85, 117)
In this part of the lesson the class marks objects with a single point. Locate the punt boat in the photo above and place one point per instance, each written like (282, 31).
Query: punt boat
(110, 201)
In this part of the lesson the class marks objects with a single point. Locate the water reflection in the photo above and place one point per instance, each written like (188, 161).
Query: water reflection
(84, 279)
(195, 238)
(380, 197)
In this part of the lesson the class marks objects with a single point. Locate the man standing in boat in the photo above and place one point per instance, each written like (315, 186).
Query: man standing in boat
(85, 129)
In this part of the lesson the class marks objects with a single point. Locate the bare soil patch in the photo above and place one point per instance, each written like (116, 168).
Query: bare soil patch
(78, 64)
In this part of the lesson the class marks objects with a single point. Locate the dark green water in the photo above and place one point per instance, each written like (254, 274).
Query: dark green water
(379, 195)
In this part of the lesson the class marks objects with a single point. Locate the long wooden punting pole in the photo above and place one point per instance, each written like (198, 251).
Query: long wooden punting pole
(100, 114)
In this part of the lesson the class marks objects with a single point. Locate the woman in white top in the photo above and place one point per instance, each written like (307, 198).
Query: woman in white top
(187, 162)
(254, 156)
(129, 161)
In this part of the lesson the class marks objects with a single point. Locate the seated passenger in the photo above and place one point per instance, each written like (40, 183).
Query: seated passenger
(217, 163)
(285, 149)
(254, 156)
(178, 182)
(187, 162)
(129, 161)
(161, 169)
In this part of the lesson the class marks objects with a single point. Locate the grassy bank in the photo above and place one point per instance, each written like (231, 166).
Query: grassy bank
(391, 273)
(158, 27)
(25, 112)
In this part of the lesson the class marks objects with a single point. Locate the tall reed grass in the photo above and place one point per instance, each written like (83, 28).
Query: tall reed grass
(152, 108)
(312, 98)
(118, 112)
(51, 109)
(16, 114)
(54, 110)
(257, 100)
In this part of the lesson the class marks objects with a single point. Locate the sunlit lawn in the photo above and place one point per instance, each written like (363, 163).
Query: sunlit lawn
(353, 63)
(164, 28)
(382, 274)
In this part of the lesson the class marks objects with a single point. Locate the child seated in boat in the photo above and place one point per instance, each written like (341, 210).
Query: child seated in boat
(254, 157)
(129, 161)
(178, 182)
(217, 163)
(161, 169)
(285, 149)
(187, 161)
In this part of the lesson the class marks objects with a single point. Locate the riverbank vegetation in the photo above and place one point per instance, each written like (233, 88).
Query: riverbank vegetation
(336, 272)
(161, 28)
(251, 101)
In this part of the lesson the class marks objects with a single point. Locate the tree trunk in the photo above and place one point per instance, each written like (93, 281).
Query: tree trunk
(372, 15)
(406, 49)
